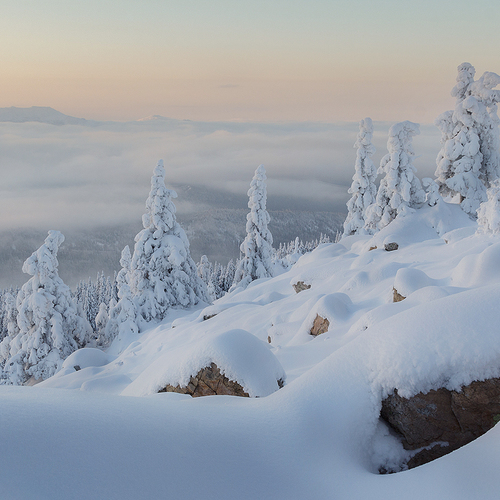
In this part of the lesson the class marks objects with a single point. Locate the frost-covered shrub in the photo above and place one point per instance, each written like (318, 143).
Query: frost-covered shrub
(400, 190)
(432, 196)
(257, 248)
(50, 328)
(363, 189)
(488, 214)
(469, 157)
(162, 272)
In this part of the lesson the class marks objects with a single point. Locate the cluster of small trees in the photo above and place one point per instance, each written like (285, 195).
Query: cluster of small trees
(219, 278)
(468, 164)
(43, 323)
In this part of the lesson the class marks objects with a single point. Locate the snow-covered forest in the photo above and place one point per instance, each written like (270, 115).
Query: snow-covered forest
(308, 354)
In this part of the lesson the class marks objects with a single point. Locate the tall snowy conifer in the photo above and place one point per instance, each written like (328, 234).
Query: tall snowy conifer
(399, 190)
(162, 272)
(363, 189)
(50, 328)
(257, 248)
(469, 157)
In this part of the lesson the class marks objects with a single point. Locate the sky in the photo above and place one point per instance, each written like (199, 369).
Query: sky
(281, 82)
(258, 60)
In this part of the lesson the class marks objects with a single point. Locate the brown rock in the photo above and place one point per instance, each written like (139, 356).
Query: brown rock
(320, 326)
(209, 381)
(442, 421)
(372, 248)
(390, 247)
(300, 286)
(396, 296)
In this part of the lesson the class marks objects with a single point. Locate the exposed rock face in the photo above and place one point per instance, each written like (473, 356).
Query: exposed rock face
(320, 326)
(442, 421)
(396, 296)
(209, 316)
(390, 247)
(372, 248)
(300, 286)
(209, 381)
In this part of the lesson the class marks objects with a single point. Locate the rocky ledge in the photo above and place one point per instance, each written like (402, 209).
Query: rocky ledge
(441, 421)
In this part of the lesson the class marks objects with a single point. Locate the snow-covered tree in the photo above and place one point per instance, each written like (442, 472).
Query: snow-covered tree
(204, 269)
(122, 317)
(101, 320)
(488, 214)
(469, 159)
(363, 188)
(229, 275)
(400, 190)
(10, 326)
(50, 328)
(432, 196)
(257, 248)
(162, 272)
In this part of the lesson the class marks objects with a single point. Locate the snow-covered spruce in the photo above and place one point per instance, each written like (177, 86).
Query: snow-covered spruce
(488, 214)
(469, 157)
(162, 272)
(229, 275)
(205, 269)
(400, 190)
(101, 321)
(363, 189)
(123, 314)
(257, 248)
(50, 328)
(10, 327)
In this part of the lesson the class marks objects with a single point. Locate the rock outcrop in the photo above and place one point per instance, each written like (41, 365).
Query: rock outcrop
(441, 421)
(390, 247)
(209, 381)
(396, 296)
(300, 286)
(320, 326)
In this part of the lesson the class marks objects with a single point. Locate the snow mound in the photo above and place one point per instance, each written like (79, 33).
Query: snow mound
(409, 280)
(238, 354)
(83, 358)
(336, 308)
(482, 268)
(436, 344)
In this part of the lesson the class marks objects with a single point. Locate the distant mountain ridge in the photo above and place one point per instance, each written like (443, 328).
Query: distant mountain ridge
(45, 114)
(41, 114)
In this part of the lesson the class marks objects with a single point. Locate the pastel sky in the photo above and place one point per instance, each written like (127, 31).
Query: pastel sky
(258, 60)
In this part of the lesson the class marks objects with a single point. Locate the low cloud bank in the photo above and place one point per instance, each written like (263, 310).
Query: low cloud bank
(81, 176)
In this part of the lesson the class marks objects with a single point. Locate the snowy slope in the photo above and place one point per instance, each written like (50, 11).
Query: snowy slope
(102, 432)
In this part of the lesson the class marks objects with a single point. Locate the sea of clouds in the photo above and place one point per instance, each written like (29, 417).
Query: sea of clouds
(98, 173)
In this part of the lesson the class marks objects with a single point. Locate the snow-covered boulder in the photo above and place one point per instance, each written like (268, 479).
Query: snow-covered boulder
(237, 354)
(440, 421)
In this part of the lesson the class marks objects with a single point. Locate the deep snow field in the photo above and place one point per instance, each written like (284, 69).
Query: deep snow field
(103, 432)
